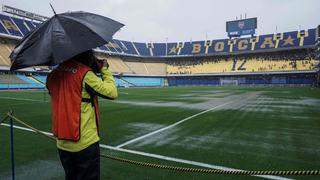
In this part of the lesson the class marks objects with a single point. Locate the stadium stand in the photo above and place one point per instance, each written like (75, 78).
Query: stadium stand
(11, 79)
(10, 26)
(32, 83)
(127, 66)
(137, 67)
(21, 25)
(288, 56)
(156, 68)
(118, 66)
(128, 47)
(4, 53)
(288, 40)
(121, 83)
(34, 79)
(141, 48)
(6, 46)
(41, 78)
(269, 42)
(19, 81)
(139, 81)
(265, 62)
(264, 79)
(29, 24)
(145, 66)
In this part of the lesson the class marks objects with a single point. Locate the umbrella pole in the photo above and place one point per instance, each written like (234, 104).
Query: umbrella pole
(53, 9)
(12, 147)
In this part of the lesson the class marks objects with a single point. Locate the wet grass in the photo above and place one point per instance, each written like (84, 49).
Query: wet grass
(282, 138)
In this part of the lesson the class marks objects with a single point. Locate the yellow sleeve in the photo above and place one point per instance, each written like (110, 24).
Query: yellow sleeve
(105, 87)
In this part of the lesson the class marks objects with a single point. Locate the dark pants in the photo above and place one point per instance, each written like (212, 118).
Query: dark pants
(80, 165)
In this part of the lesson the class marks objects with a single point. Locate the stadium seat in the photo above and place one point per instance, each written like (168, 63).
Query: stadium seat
(143, 81)
(116, 64)
(128, 48)
(142, 49)
(11, 79)
(3, 30)
(247, 65)
(10, 25)
(137, 67)
(156, 68)
(29, 24)
(19, 81)
(21, 25)
(6, 47)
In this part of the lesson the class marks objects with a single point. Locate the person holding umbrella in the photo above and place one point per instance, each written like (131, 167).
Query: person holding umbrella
(67, 40)
(74, 87)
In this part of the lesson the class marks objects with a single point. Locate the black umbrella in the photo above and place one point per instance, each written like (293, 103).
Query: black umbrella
(62, 37)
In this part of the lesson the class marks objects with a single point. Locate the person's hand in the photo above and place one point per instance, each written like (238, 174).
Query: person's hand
(99, 64)
(102, 63)
(106, 64)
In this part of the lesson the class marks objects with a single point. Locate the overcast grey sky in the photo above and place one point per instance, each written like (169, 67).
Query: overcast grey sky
(181, 20)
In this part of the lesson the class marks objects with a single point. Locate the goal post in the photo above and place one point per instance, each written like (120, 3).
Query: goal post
(229, 82)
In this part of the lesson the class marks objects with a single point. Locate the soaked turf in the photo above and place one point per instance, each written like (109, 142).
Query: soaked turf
(258, 128)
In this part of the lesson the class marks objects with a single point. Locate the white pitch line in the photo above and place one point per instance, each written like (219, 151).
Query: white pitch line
(25, 129)
(167, 158)
(184, 161)
(170, 126)
(17, 104)
(123, 93)
(22, 99)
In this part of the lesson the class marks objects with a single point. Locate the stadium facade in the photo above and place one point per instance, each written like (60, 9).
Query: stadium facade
(288, 58)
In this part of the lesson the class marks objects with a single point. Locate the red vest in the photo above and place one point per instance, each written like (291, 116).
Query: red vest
(65, 87)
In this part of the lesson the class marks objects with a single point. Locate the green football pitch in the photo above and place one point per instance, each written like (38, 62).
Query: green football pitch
(247, 128)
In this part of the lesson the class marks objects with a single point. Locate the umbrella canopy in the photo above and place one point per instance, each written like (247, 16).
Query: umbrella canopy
(62, 37)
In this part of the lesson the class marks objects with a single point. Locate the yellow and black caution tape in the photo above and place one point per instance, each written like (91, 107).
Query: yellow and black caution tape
(212, 171)
(9, 114)
(185, 169)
